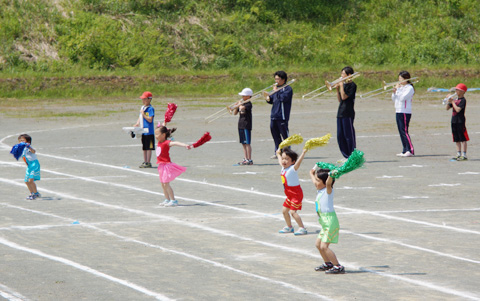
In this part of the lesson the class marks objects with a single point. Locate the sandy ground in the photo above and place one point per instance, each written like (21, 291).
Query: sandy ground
(410, 226)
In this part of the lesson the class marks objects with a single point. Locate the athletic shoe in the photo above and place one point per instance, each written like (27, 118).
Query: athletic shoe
(143, 165)
(31, 197)
(172, 203)
(336, 270)
(408, 154)
(273, 157)
(250, 162)
(243, 162)
(164, 203)
(400, 155)
(37, 195)
(324, 267)
(148, 165)
(286, 230)
(455, 158)
(462, 158)
(301, 231)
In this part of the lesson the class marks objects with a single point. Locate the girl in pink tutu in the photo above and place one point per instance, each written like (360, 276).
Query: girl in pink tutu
(167, 170)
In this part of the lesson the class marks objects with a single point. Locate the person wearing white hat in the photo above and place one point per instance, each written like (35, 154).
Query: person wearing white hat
(244, 108)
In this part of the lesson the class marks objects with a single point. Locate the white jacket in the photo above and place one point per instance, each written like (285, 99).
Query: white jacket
(403, 99)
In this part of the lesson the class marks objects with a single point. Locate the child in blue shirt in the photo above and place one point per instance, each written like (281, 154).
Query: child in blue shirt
(33, 166)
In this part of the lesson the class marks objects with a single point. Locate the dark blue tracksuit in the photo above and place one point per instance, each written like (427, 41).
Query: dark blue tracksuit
(281, 103)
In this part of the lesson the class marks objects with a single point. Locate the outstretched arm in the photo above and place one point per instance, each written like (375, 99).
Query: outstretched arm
(315, 180)
(300, 159)
(177, 143)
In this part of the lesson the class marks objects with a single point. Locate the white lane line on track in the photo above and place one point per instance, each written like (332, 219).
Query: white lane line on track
(10, 294)
(194, 257)
(440, 288)
(83, 268)
(258, 193)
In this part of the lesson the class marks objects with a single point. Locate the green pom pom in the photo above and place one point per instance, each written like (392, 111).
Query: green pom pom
(353, 162)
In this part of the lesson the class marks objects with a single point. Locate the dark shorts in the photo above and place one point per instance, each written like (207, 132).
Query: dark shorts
(245, 136)
(148, 142)
(459, 132)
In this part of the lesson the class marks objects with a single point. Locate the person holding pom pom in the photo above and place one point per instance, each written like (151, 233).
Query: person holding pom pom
(327, 218)
(167, 170)
(28, 154)
(290, 163)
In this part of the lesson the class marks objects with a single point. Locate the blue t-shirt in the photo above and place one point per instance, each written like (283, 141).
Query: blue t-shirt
(149, 112)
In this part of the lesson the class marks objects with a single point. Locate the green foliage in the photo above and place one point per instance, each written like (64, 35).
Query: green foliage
(148, 35)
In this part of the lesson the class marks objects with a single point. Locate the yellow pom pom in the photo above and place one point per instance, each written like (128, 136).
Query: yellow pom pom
(316, 142)
(294, 139)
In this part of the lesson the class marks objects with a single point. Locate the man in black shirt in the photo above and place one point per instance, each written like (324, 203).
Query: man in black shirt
(244, 107)
(346, 114)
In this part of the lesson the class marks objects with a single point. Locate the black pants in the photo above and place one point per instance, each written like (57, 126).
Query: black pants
(346, 136)
(403, 121)
(279, 129)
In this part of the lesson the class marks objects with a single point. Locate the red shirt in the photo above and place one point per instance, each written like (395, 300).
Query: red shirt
(163, 152)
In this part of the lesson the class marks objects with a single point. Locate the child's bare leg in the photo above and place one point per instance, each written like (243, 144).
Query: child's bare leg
(32, 187)
(248, 151)
(147, 156)
(286, 216)
(327, 253)
(168, 191)
(297, 218)
(318, 244)
(464, 146)
(459, 146)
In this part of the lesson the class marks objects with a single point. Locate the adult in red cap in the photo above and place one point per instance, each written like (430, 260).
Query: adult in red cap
(458, 103)
(145, 121)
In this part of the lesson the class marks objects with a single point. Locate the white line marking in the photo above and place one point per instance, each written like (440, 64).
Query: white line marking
(407, 197)
(194, 257)
(413, 165)
(289, 249)
(389, 177)
(444, 184)
(83, 268)
(10, 294)
(469, 173)
(270, 195)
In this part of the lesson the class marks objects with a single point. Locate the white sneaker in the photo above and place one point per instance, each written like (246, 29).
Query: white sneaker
(408, 154)
(400, 155)
(164, 203)
(172, 203)
(301, 231)
(286, 230)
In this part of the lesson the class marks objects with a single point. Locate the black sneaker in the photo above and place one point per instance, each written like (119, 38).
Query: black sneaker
(323, 267)
(338, 269)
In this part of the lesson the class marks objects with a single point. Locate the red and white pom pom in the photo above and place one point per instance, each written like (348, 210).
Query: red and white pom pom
(205, 138)
(171, 108)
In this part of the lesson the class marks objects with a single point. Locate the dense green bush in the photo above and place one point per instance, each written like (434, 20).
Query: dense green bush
(148, 35)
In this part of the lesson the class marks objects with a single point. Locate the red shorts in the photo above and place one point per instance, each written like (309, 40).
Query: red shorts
(294, 198)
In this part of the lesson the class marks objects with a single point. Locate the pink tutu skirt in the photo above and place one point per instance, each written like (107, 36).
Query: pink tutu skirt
(169, 171)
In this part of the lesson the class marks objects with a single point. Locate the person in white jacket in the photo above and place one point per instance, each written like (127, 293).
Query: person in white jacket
(402, 97)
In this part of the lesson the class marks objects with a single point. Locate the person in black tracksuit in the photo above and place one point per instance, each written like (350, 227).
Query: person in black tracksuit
(281, 102)
(346, 114)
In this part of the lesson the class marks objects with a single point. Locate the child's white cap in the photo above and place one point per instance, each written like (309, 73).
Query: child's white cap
(246, 92)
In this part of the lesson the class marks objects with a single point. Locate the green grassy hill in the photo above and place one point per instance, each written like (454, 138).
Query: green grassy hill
(171, 37)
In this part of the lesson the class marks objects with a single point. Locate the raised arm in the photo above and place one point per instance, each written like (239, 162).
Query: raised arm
(300, 159)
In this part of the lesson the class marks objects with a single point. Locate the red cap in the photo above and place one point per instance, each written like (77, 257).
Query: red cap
(461, 87)
(146, 95)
